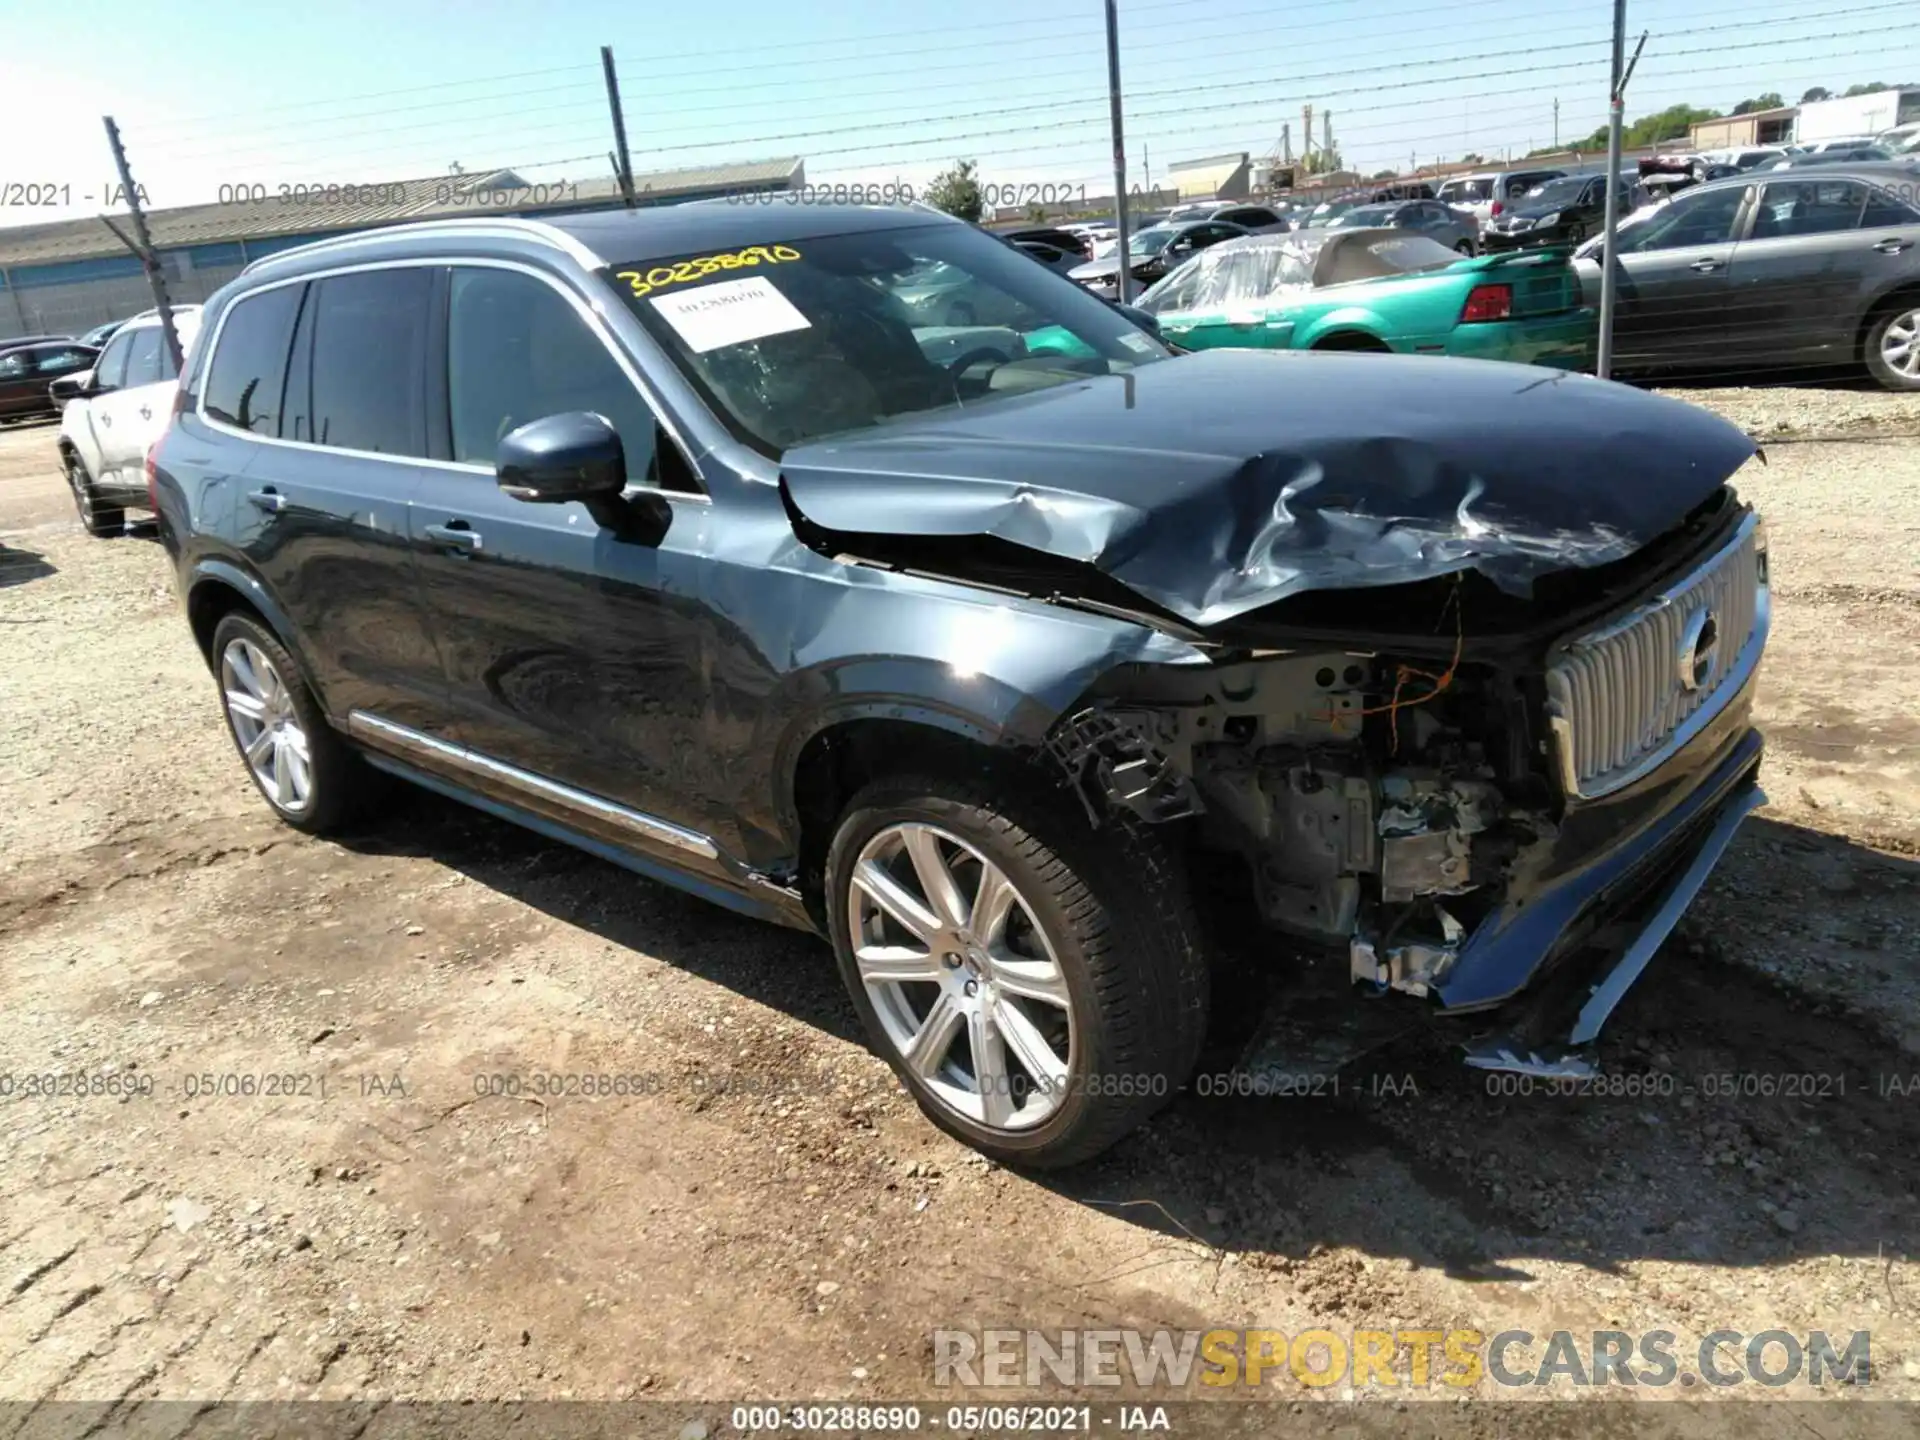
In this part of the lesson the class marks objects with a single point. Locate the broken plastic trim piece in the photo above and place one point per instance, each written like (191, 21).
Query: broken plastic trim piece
(1108, 759)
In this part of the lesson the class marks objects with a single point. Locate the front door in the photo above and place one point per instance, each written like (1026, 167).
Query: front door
(1672, 289)
(572, 652)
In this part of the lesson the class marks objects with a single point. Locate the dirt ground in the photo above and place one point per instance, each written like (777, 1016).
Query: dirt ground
(771, 1218)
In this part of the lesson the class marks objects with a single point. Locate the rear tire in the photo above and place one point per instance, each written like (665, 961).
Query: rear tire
(1066, 957)
(1465, 247)
(100, 521)
(1893, 345)
(297, 762)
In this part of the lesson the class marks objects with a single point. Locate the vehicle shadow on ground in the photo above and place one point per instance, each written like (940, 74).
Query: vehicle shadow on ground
(1740, 1121)
(18, 567)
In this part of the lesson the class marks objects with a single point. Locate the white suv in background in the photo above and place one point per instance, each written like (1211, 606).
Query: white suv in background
(114, 412)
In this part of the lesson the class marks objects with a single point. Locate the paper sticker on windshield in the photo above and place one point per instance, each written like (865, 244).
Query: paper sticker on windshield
(730, 313)
(1139, 343)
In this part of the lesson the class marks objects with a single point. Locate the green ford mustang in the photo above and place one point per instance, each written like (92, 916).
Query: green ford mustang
(1376, 290)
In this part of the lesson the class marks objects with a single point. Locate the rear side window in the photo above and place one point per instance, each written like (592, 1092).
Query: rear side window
(369, 361)
(518, 351)
(248, 373)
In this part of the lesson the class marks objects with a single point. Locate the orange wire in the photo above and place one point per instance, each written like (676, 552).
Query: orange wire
(1404, 672)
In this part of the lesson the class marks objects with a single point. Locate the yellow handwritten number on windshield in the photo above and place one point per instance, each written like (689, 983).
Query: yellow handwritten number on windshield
(643, 282)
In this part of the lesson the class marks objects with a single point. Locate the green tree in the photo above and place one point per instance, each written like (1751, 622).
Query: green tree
(1872, 89)
(1473, 157)
(1817, 93)
(957, 191)
(1323, 162)
(1668, 124)
(1385, 175)
(1769, 101)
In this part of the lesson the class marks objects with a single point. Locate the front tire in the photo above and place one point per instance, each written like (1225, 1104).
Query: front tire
(1893, 346)
(300, 766)
(99, 521)
(1035, 984)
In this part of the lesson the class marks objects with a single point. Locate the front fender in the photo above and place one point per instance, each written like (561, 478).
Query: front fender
(998, 675)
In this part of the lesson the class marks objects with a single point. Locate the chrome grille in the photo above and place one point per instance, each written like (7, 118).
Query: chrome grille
(1618, 698)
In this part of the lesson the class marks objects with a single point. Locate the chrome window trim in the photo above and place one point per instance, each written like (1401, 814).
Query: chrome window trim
(595, 322)
(1739, 674)
(443, 755)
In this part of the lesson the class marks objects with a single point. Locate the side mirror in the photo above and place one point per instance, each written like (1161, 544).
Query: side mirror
(573, 456)
(1141, 318)
(72, 387)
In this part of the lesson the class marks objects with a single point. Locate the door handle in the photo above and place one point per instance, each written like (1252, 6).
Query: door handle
(1705, 267)
(1892, 245)
(454, 535)
(269, 500)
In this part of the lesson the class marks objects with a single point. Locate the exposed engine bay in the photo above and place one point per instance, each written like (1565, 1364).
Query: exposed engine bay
(1375, 804)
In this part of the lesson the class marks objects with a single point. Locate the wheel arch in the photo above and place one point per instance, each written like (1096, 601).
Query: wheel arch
(1905, 292)
(217, 588)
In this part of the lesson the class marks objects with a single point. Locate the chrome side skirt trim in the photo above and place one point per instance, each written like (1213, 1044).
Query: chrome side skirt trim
(448, 758)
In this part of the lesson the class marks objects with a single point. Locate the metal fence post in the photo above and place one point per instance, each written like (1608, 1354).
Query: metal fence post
(1616, 107)
(156, 278)
(1124, 279)
(623, 163)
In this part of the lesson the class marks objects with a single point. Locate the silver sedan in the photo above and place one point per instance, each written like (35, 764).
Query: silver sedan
(1455, 229)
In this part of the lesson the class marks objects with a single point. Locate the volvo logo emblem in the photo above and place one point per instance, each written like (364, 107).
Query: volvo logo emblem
(1699, 646)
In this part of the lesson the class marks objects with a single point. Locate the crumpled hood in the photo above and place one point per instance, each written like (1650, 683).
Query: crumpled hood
(1216, 483)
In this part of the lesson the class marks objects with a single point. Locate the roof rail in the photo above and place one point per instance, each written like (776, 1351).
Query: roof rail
(474, 225)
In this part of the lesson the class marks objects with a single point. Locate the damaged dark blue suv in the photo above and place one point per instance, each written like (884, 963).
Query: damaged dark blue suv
(1005, 654)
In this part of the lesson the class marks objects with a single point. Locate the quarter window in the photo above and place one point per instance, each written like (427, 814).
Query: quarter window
(248, 374)
(369, 361)
(517, 351)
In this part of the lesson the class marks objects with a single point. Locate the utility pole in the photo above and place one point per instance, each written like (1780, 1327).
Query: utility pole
(142, 245)
(1124, 279)
(623, 163)
(1556, 122)
(1616, 106)
(1326, 129)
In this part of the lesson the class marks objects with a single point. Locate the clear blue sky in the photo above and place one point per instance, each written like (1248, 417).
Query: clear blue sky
(352, 90)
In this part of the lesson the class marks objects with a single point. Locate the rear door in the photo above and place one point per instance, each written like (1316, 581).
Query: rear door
(329, 379)
(1672, 286)
(1816, 250)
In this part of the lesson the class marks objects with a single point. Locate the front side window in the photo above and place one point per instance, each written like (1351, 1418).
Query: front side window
(110, 370)
(369, 361)
(13, 364)
(248, 372)
(1703, 218)
(144, 362)
(517, 351)
(834, 333)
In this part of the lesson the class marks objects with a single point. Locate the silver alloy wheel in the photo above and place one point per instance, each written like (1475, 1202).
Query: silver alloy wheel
(1900, 344)
(964, 978)
(266, 725)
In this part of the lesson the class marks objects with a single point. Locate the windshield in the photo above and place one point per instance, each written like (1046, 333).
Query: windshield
(1151, 242)
(1328, 210)
(834, 333)
(1563, 191)
(1362, 216)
